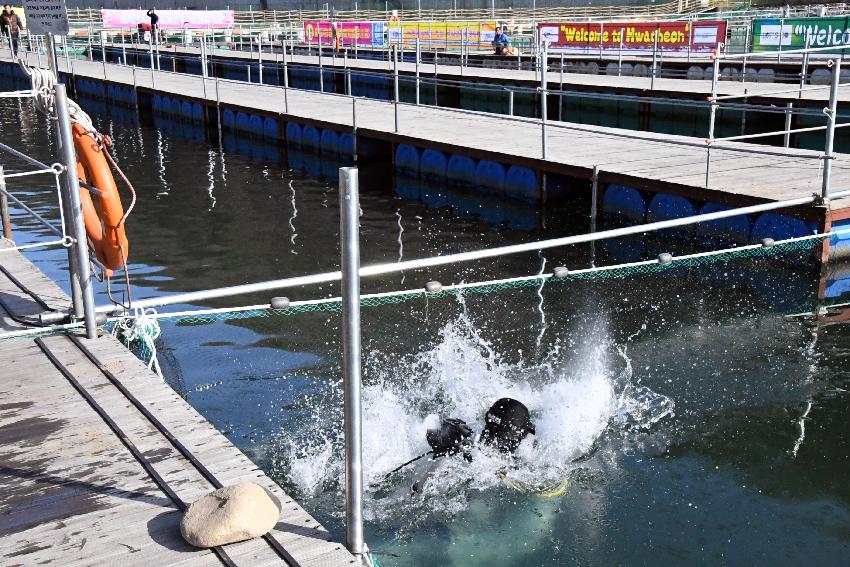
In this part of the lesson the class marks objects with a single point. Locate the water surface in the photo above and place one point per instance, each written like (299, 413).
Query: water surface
(693, 421)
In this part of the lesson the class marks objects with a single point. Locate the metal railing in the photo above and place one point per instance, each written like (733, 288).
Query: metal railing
(71, 230)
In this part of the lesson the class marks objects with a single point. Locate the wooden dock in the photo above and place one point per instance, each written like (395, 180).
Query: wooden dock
(694, 89)
(645, 160)
(98, 456)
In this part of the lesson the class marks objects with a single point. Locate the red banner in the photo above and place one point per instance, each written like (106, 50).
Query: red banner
(632, 37)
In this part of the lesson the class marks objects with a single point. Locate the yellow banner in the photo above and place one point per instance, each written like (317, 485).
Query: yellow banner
(442, 35)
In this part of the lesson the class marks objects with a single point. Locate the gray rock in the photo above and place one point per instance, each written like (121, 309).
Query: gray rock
(230, 514)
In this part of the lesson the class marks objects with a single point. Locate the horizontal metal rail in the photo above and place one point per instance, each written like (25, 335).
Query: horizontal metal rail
(776, 133)
(35, 215)
(380, 269)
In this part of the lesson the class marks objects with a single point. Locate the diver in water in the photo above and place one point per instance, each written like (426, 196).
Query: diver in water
(506, 424)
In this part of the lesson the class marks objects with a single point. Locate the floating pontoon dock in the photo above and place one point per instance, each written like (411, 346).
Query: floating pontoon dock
(740, 173)
(693, 89)
(98, 455)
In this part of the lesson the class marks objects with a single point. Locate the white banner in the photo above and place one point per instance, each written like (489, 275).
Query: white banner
(169, 19)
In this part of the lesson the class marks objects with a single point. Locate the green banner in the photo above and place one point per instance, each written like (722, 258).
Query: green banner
(796, 33)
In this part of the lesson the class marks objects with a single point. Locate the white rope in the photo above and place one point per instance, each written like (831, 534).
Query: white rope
(143, 327)
(43, 81)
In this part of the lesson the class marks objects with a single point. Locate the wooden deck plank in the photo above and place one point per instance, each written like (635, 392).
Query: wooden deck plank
(72, 493)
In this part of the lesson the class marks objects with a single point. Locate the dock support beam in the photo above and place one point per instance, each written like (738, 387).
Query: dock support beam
(80, 247)
(349, 206)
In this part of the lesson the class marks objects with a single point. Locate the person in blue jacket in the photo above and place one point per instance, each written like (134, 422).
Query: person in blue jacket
(501, 41)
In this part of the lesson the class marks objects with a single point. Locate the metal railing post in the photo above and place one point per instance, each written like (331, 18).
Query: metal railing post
(418, 57)
(620, 55)
(354, 128)
(52, 62)
(544, 61)
(594, 194)
(786, 142)
(123, 48)
(4, 208)
(321, 71)
(80, 248)
(804, 70)
(395, 86)
(510, 102)
(349, 205)
(654, 60)
(260, 57)
(712, 113)
(830, 130)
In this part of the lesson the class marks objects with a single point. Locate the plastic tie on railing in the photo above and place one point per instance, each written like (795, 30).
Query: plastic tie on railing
(139, 333)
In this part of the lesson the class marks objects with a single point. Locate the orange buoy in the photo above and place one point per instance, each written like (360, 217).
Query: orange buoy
(104, 213)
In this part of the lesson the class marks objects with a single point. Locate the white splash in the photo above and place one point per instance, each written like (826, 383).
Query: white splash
(572, 403)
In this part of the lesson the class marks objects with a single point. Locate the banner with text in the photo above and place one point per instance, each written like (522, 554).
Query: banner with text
(169, 19)
(797, 33)
(348, 33)
(443, 35)
(632, 37)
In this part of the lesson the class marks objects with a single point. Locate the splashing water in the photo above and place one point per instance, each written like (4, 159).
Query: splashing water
(572, 403)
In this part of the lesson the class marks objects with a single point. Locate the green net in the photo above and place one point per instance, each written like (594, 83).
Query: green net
(598, 273)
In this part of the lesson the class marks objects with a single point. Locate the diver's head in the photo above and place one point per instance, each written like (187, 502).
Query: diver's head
(507, 423)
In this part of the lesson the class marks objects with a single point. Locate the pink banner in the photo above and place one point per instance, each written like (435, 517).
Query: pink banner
(169, 19)
(348, 33)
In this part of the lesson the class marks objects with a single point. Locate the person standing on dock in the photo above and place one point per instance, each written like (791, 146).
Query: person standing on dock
(154, 25)
(11, 26)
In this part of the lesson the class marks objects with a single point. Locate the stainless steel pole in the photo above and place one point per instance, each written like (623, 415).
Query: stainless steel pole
(712, 113)
(349, 205)
(788, 111)
(354, 128)
(654, 60)
(52, 62)
(260, 56)
(510, 102)
(321, 71)
(395, 86)
(123, 48)
(830, 131)
(418, 57)
(620, 54)
(544, 61)
(594, 193)
(72, 186)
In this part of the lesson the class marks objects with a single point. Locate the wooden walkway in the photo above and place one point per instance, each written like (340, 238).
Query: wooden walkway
(646, 160)
(72, 492)
(690, 88)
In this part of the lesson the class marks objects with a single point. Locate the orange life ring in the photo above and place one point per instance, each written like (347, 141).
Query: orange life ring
(102, 215)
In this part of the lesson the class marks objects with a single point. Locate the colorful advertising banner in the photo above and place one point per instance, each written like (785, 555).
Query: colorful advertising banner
(442, 35)
(348, 33)
(632, 37)
(797, 33)
(169, 19)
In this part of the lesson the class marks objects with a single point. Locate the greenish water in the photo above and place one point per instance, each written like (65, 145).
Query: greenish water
(694, 423)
